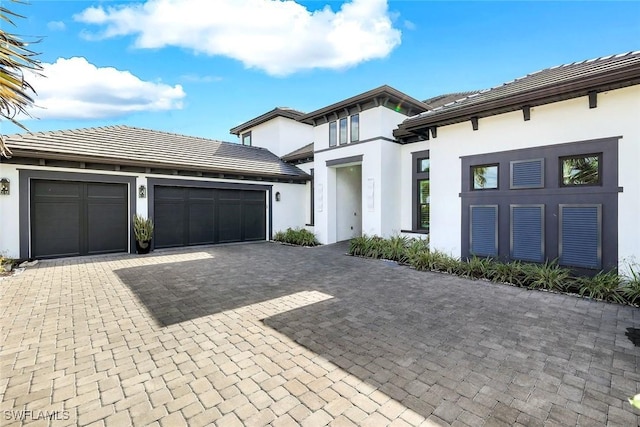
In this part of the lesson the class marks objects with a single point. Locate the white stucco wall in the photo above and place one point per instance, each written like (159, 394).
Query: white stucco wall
(280, 135)
(9, 215)
(289, 212)
(379, 187)
(560, 122)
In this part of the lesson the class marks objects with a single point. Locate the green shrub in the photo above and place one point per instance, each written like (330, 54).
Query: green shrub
(298, 236)
(631, 285)
(142, 228)
(507, 272)
(604, 286)
(395, 248)
(357, 246)
(476, 268)
(546, 276)
(414, 248)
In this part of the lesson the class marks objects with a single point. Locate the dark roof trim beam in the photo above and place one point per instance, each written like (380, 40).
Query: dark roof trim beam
(474, 123)
(526, 113)
(593, 99)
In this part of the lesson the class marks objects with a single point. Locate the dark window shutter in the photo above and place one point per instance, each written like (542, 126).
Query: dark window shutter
(484, 230)
(527, 174)
(580, 236)
(527, 233)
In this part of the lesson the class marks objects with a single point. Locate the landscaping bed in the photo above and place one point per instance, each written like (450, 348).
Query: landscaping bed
(605, 285)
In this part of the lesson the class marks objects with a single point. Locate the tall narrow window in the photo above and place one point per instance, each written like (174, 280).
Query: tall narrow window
(343, 131)
(422, 187)
(355, 128)
(333, 134)
(423, 204)
(311, 200)
(246, 138)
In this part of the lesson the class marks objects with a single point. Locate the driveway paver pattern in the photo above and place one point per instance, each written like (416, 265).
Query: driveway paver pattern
(266, 334)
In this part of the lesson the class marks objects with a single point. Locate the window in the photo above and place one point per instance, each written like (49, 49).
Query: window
(246, 138)
(333, 134)
(423, 204)
(423, 165)
(311, 199)
(355, 128)
(580, 170)
(527, 174)
(343, 131)
(484, 177)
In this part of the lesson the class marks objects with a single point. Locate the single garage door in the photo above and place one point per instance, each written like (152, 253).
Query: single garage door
(195, 216)
(78, 218)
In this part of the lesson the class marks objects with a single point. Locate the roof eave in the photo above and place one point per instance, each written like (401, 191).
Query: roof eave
(567, 90)
(17, 153)
(382, 91)
(276, 112)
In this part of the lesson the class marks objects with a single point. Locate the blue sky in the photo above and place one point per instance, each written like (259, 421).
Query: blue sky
(201, 67)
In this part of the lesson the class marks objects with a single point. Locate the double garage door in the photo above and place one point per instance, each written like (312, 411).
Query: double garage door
(194, 216)
(70, 218)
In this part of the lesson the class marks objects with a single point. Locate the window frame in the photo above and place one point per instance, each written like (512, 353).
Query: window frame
(244, 136)
(343, 137)
(472, 175)
(357, 132)
(418, 176)
(561, 159)
(333, 133)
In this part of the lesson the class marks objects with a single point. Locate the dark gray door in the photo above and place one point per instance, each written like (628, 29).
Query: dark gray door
(78, 218)
(186, 216)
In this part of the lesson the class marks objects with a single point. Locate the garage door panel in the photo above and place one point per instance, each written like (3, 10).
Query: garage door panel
(57, 189)
(254, 222)
(105, 233)
(56, 230)
(170, 193)
(230, 222)
(201, 223)
(71, 218)
(202, 194)
(107, 192)
(169, 224)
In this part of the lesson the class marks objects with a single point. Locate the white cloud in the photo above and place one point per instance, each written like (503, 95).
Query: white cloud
(409, 25)
(56, 26)
(280, 37)
(196, 78)
(76, 89)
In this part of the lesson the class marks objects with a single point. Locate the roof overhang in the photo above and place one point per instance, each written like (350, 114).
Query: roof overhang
(412, 129)
(276, 112)
(96, 162)
(381, 96)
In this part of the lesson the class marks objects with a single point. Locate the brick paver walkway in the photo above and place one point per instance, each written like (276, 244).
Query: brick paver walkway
(264, 334)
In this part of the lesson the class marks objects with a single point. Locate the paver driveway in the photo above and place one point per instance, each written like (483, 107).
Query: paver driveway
(263, 333)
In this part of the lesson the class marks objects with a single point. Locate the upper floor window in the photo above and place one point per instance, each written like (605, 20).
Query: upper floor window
(333, 134)
(246, 138)
(343, 131)
(581, 170)
(355, 127)
(484, 177)
(423, 165)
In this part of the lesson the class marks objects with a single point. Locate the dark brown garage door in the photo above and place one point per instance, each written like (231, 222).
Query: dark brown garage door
(187, 216)
(78, 218)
